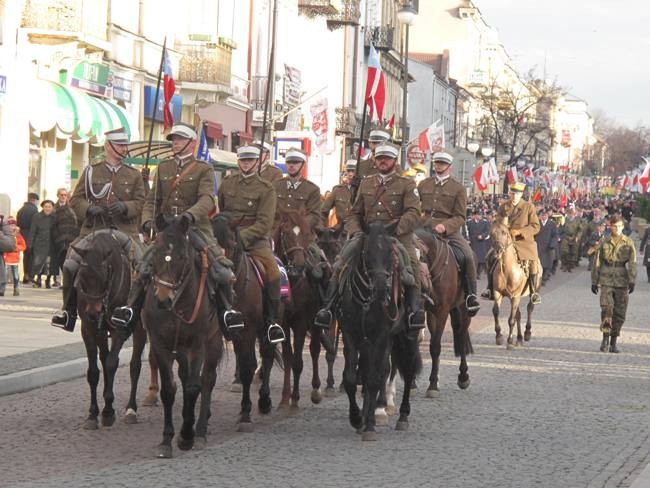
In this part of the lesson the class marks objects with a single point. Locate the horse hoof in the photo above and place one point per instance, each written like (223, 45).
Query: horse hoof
(381, 419)
(108, 421)
(185, 444)
(294, 408)
(369, 436)
(236, 388)
(283, 407)
(510, 347)
(245, 427)
(432, 393)
(499, 341)
(463, 385)
(330, 392)
(200, 443)
(316, 396)
(402, 425)
(391, 410)
(164, 452)
(130, 417)
(150, 399)
(527, 335)
(520, 343)
(90, 424)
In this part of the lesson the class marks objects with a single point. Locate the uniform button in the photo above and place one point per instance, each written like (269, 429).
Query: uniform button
(289, 196)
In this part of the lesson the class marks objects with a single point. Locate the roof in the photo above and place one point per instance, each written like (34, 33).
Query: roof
(439, 62)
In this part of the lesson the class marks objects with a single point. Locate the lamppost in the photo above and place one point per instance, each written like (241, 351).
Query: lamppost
(486, 151)
(406, 15)
(472, 146)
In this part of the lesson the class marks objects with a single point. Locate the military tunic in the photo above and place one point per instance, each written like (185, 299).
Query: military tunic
(570, 244)
(366, 167)
(106, 187)
(305, 196)
(522, 217)
(339, 199)
(179, 189)
(251, 202)
(271, 173)
(614, 269)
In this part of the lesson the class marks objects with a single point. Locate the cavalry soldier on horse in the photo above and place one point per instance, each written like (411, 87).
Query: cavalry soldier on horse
(250, 201)
(268, 171)
(523, 223)
(182, 188)
(109, 195)
(339, 197)
(385, 198)
(444, 205)
(367, 164)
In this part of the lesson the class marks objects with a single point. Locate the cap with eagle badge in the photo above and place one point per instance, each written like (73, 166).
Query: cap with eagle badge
(117, 136)
(267, 146)
(248, 152)
(378, 135)
(182, 129)
(442, 157)
(294, 155)
(387, 150)
(351, 165)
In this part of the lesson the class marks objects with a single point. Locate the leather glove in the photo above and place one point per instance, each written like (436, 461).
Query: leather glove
(146, 227)
(594, 289)
(630, 288)
(117, 208)
(188, 217)
(96, 210)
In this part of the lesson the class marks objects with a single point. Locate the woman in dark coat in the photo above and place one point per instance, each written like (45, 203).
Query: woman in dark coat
(39, 240)
(645, 249)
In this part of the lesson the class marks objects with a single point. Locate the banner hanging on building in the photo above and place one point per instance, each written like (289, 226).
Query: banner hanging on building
(320, 124)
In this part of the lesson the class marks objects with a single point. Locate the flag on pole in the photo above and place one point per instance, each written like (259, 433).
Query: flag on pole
(375, 91)
(202, 150)
(644, 179)
(391, 123)
(169, 87)
(511, 174)
(432, 139)
(480, 177)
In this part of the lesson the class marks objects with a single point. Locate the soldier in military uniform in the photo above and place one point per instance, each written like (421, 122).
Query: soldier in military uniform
(571, 233)
(367, 164)
(251, 202)
(339, 197)
(614, 273)
(109, 194)
(524, 226)
(444, 206)
(268, 171)
(182, 188)
(386, 198)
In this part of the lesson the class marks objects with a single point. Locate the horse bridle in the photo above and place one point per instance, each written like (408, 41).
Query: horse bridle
(289, 252)
(104, 296)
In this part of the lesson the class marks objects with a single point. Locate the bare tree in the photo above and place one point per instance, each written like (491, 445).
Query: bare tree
(625, 146)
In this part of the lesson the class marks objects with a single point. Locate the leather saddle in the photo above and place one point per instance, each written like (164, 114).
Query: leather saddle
(260, 275)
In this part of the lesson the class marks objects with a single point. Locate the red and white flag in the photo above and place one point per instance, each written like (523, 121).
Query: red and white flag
(511, 174)
(644, 179)
(432, 139)
(486, 174)
(169, 87)
(375, 91)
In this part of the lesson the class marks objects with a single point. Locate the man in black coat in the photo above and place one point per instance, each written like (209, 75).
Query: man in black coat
(65, 229)
(24, 219)
(478, 231)
(547, 244)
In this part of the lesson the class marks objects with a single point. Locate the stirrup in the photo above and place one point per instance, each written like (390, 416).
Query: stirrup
(487, 294)
(416, 320)
(323, 319)
(122, 316)
(472, 309)
(234, 320)
(275, 334)
(63, 320)
(535, 298)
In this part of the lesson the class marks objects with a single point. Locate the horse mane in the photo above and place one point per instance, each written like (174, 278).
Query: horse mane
(221, 229)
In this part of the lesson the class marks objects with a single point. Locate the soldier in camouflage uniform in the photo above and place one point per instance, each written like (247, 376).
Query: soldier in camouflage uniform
(614, 273)
(386, 198)
(109, 195)
(268, 171)
(183, 187)
(570, 245)
(251, 201)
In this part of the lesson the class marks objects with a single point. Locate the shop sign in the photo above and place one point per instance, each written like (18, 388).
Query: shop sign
(91, 77)
(150, 95)
(122, 89)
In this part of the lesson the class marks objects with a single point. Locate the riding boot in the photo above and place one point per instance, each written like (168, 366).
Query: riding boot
(488, 294)
(274, 333)
(416, 317)
(67, 317)
(605, 343)
(534, 296)
(472, 304)
(324, 316)
(612, 344)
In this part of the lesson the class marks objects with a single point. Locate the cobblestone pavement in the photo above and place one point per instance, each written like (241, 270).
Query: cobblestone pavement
(555, 413)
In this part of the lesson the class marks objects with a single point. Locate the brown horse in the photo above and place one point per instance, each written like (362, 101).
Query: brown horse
(510, 280)
(183, 327)
(448, 298)
(103, 283)
(292, 238)
(249, 299)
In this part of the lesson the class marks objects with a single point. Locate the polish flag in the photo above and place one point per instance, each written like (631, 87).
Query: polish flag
(375, 91)
(480, 177)
(511, 174)
(169, 87)
(644, 179)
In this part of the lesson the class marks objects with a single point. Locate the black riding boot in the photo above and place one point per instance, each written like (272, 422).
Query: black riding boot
(612, 344)
(274, 333)
(324, 316)
(123, 316)
(416, 317)
(67, 318)
(472, 304)
(534, 296)
(605, 343)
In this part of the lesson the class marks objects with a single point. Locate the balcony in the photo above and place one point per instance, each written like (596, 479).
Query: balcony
(349, 15)
(383, 38)
(208, 64)
(346, 121)
(315, 8)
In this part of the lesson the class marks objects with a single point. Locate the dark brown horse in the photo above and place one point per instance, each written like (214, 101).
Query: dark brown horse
(249, 298)
(183, 327)
(449, 298)
(292, 238)
(102, 284)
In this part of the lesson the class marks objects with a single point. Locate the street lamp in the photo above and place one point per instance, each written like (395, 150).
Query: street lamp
(486, 151)
(406, 15)
(472, 147)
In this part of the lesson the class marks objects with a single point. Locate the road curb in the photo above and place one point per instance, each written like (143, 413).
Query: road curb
(46, 375)
(643, 480)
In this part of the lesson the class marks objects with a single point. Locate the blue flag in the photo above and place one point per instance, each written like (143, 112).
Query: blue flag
(203, 152)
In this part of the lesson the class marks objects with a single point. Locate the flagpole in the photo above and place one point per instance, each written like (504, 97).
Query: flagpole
(356, 179)
(270, 79)
(155, 105)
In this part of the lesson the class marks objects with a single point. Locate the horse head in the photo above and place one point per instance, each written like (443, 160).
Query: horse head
(329, 240)
(378, 255)
(224, 234)
(500, 237)
(172, 258)
(292, 238)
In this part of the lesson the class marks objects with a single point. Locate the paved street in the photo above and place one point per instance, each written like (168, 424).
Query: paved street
(555, 413)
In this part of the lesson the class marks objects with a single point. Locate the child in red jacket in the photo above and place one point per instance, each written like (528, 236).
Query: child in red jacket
(13, 258)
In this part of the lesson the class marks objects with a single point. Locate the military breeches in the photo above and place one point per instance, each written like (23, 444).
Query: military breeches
(265, 256)
(613, 307)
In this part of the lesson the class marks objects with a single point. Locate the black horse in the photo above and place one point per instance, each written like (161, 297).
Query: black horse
(374, 325)
(184, 327)
(102, 284)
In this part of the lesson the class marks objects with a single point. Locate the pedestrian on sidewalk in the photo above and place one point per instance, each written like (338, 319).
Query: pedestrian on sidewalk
(65, 229)
(39, 241)
(12, 258)
(24, 218)
(614, 274)
(7, 243)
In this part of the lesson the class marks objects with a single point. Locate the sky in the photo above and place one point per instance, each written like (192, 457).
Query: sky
(597, 49)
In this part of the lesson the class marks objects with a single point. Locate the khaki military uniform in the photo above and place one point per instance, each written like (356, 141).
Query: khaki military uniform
(179, 189)
(445, 202)
(339, 200)
(271, 173)
(366, 167)
(614, 269)
(570, 244)
(394, 198)
(99, 185)
(251, 202)
(305, 196)
(523, 217)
